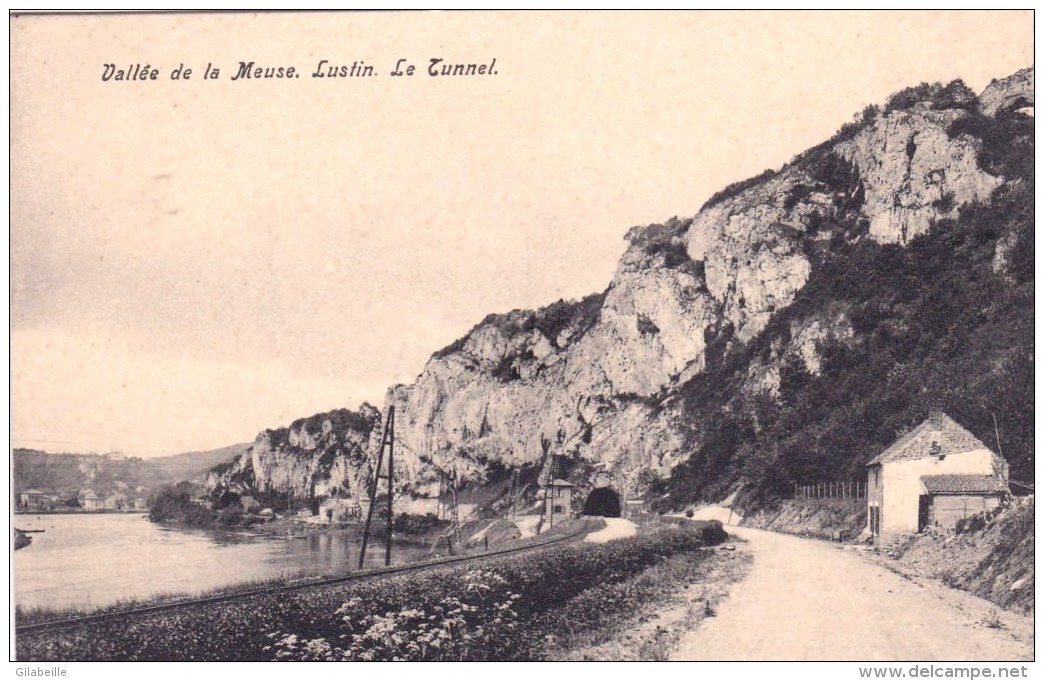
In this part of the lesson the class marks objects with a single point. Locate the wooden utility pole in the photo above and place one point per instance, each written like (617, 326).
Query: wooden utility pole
(549, 493)
(387, 438)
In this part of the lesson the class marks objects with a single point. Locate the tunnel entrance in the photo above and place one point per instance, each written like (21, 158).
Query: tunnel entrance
(603, 501)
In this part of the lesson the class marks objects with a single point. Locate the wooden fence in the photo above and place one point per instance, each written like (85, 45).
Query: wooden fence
(831, 490)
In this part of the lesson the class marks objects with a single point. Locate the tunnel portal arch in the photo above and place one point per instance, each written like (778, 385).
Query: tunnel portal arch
(603, 501)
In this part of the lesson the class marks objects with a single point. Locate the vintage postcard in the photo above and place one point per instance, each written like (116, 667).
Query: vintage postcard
(523, 336)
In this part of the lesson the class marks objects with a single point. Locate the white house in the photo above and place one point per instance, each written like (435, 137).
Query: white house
(91, 501)
(936, 474)
(34, 500)
(558, 501)
(337, 510)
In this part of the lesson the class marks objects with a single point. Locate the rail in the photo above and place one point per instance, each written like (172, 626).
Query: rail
(361, 575)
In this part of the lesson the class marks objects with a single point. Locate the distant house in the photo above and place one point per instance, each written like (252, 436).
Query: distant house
(934, 475)
(91, 501)
(140, 504)
(34, 500)
(116, 502)
(336, 510)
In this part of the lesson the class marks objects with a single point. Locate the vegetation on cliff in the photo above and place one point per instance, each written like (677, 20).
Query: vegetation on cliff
(577, 316)
(946, 321)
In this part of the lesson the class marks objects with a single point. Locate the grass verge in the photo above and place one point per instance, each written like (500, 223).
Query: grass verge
(664, 603)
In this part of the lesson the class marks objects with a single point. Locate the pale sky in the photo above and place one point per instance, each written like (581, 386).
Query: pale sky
(195, 261)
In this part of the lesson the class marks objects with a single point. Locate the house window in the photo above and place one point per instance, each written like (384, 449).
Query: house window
(558, 509)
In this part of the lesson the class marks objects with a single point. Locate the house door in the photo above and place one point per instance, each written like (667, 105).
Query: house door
(923, 505)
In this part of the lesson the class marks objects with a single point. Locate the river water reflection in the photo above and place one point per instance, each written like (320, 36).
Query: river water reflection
(91, 560)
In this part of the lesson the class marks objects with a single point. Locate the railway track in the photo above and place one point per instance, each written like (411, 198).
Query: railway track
(53, 625)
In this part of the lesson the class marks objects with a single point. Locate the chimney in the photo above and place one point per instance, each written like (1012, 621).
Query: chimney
(935, 419)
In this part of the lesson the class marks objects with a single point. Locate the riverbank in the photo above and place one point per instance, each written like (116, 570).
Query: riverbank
(513, 603)
(338, 549)
(81, 511)
(83, 562)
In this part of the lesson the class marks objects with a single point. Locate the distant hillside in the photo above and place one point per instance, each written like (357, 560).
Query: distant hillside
(65, 474)
(195, 464)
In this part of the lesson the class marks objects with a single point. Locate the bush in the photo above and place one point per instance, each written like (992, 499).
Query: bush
(954, 95)
(231, 515)
(175, 504)
(737, 188)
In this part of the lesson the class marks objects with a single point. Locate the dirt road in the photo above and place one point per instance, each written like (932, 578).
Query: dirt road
(615, 528)
(809, 600)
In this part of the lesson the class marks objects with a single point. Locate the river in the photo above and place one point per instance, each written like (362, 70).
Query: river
(93, 560)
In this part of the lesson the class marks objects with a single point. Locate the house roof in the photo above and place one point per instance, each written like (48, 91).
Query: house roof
(963, 484)
(32, 491)
(937, 435)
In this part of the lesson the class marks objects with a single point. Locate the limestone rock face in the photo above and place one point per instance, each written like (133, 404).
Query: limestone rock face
(322, 455)
(750, 248)
(913, 173)
(1013, 92)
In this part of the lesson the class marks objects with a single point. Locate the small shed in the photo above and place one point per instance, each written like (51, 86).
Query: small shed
(949, 498)
(558, 499)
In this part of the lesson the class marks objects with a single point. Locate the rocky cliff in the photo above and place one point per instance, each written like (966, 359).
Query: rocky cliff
(784, 333)
(320, 456)
(599, 380)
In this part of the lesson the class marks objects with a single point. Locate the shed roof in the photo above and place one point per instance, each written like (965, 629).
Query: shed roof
(559, 482)
(963, 484)
(32, 491)
(939, 428)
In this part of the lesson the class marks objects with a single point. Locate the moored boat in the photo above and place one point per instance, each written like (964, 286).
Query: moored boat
(21, 539)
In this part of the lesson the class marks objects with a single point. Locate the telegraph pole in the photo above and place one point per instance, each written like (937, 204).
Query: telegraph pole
(387, 438)
(548, 492)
